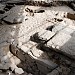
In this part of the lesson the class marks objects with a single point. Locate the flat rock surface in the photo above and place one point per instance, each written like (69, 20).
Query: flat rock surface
(63, 41)
(13, 17)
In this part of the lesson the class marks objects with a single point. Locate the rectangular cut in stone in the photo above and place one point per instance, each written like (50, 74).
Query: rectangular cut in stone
(63, 43)
(45, 34)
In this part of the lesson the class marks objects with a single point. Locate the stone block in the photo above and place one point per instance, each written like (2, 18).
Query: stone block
(63, 43)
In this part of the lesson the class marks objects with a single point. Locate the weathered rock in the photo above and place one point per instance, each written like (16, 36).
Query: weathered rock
(12, 17)
(64, 28)
(38, 53)
(59, 26)
(7, 59)
(46, 64)
(2, 6)
(68, 31)
(72, 5)
(63, 70)
(17, 52)
(19, 70)
(4, 59)
(27, 46)
(54, 72)
(60, 70)
(34, 9)
(42, 36)
(30, 74)
(8, 7)
(2, 11)
(71, 16)
(64, 45)
(13, 20)
(38, 61)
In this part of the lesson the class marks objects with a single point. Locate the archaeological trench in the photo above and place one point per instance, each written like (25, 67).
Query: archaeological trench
(37, 37)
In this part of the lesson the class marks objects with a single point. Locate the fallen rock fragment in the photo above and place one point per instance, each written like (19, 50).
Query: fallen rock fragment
(19, 70)
(71, 16)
